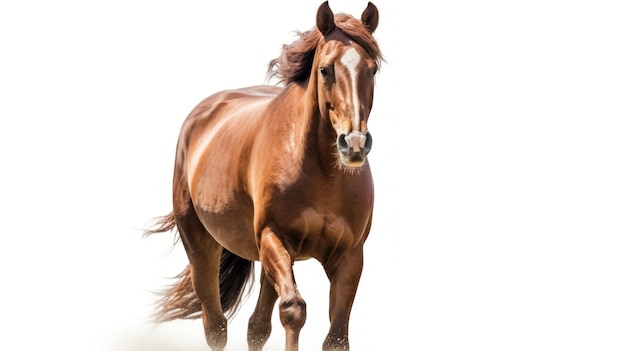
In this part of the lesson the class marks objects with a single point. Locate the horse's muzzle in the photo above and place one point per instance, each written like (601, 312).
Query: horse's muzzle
(354, 146)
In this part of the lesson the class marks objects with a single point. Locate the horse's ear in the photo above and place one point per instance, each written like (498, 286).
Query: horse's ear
(370, 17)
(325, 19)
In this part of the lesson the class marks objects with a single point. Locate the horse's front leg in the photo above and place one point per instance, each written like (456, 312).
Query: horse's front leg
(278, 265)
(344, 278)
(260, 323)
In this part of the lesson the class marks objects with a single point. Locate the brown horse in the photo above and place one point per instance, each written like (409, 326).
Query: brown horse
(276, 175)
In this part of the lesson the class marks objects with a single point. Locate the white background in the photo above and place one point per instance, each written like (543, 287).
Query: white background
(499, 163)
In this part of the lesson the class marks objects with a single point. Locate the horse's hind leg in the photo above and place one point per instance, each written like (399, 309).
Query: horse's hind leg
(260, 323)
(278, 265)
(204, 255)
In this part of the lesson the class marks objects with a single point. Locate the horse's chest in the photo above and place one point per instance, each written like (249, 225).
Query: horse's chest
(317, 232)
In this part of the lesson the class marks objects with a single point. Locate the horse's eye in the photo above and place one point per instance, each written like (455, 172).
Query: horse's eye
(324, 72)
(374, 71)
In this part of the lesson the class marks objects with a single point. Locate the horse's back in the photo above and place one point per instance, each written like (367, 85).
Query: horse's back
(227, 104)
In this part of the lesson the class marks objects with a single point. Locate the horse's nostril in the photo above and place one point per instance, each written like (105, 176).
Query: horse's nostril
(354, 143)
(342, 145)
(368, 143)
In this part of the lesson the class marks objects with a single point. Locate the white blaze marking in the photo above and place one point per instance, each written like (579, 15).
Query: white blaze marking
(351, 59)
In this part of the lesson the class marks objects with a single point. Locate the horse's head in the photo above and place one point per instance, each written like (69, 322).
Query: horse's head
(347, 61)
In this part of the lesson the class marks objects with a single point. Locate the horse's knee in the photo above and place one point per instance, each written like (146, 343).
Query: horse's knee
(293, 312)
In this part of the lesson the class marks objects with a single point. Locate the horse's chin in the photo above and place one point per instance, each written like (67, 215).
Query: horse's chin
(352, 165)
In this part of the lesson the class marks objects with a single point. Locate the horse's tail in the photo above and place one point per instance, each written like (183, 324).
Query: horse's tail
(163, 224)
(236, 281)
(180, 300)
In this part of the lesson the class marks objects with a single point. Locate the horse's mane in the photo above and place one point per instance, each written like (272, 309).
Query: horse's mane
(296, 60)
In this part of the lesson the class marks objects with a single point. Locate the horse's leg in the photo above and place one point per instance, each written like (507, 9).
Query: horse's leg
(260, 323)
(344, 278)
(278, 265)
(204, 255)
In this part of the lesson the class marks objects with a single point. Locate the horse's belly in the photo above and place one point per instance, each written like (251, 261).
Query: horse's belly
(232, 228)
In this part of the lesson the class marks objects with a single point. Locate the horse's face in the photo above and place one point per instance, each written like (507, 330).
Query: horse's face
(346, 85)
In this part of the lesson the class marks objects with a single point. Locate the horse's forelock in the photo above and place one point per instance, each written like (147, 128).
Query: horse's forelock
(296, 59)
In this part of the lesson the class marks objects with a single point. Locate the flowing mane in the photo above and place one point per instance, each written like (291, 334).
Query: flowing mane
(295, 62)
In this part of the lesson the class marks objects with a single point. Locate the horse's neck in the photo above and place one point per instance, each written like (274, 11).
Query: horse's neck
(313, 132)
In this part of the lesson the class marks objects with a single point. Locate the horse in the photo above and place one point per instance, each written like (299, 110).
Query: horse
(278, 173)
